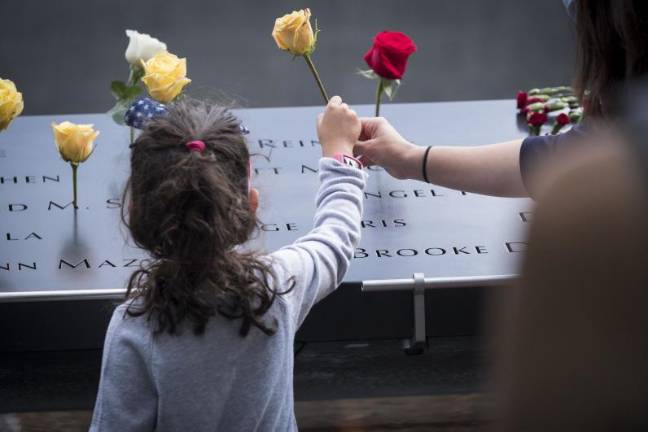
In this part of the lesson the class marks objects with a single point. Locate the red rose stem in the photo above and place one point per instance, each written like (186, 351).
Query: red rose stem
(379, 90)
(311, 66)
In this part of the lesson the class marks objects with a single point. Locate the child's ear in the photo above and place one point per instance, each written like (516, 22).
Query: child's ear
(253, 197)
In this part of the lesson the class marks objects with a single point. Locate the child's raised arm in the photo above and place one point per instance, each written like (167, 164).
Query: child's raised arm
(319, 260)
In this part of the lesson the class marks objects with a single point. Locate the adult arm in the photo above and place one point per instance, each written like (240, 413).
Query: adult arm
(489, 169)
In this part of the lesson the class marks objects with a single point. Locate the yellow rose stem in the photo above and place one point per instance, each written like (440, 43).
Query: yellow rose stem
(310, 64)
(379, 91)
(74, 184)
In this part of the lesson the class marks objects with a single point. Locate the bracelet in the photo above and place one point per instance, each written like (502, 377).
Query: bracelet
(424, 168)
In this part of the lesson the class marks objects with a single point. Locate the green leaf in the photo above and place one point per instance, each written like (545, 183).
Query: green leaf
(118, 111)
(118, 89)
(390, 87)
(370, 74)
(133, 91)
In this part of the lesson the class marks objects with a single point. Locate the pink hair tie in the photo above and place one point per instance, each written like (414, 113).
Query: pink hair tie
(197, 145)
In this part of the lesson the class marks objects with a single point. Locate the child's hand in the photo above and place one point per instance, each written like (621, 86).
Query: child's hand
(338, 128)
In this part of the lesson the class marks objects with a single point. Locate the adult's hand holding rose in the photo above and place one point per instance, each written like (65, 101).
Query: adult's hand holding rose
(380, 144)
(338, 128)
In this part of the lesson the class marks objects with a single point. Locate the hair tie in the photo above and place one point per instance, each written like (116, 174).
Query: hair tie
(197, 145)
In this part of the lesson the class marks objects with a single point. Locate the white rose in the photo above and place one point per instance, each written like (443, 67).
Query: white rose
(142, 47)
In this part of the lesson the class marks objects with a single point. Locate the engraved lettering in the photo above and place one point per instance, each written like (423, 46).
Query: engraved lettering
(17, 207)
(435, 251)
(266, 143)
(113, 203)
(130, 262)
(84, 261)
(525, 216)
(52, 203)
(407, 252)
(373, 195)
(514, 247)
(305, 168)
(360, 253)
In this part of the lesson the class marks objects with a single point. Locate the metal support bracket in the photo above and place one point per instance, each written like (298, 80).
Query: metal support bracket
(418, 284)
(417, 344)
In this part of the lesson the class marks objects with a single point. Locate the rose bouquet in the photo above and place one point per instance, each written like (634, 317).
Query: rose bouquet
(556, 105)
(387, 59)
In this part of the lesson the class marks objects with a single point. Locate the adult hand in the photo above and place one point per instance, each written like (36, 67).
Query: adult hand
(338, 128)
(380, 144)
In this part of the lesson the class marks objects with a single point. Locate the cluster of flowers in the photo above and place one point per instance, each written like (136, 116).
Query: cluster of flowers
(550, 104)
(153, 70)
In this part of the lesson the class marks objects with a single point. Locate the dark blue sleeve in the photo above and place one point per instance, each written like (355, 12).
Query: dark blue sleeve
(536, 149)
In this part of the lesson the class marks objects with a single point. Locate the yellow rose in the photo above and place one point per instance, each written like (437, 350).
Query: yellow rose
(74, 142)
(165, 75)
(293, 33)
(11, 103)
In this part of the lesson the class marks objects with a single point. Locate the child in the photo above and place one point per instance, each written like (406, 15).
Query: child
(205, 338)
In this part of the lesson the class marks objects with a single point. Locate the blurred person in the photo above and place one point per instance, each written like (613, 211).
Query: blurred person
(574, 345)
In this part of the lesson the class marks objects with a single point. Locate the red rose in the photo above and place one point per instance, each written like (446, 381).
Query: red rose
(533, 100)
(388, 55)
(537, 119)
(562, 119)
(522, 99)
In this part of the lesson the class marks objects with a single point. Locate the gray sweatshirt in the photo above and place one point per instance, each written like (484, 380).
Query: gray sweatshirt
(220, 381)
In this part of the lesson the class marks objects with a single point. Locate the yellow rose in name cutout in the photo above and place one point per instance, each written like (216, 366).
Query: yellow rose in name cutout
(75, 143)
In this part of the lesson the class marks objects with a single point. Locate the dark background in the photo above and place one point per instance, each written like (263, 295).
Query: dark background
(63, 55)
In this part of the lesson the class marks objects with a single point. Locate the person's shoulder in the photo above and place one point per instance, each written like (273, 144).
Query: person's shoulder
(129, 315)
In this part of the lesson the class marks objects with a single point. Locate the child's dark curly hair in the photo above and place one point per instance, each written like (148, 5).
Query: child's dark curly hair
(190, 210)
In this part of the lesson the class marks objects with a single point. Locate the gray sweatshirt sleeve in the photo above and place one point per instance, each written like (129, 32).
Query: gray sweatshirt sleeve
(319, 260)
(127, 399)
